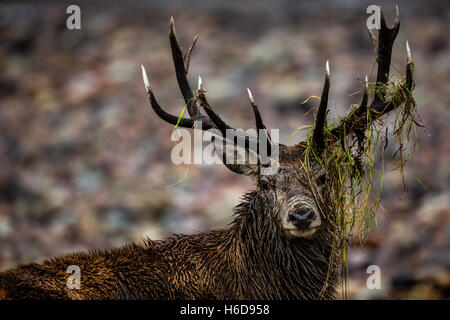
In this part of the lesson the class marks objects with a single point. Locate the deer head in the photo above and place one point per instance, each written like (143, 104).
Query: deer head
(296, 195)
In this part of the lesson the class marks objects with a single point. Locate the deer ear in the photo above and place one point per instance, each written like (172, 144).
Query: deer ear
(235, 156)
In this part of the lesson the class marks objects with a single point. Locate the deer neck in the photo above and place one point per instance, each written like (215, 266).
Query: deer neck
(266, 256)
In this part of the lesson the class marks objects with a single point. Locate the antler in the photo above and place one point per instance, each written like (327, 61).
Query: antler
(181, 64)
(355, 123)
(321, 117)
(223, 127)
(358, 120)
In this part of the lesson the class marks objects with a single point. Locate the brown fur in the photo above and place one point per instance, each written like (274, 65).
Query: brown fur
(254, 258)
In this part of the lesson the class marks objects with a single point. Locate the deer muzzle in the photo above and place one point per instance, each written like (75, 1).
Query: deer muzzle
(302, 219)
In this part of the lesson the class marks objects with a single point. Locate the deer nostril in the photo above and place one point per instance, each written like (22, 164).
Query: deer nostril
(301, 219)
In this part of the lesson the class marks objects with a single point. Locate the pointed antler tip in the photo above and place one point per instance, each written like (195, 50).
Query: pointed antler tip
(366, 81)
(172, 25)
(145, 78)
(397, 18)
(327, 68)
(200, 83)
(408, 51)
(250, 95)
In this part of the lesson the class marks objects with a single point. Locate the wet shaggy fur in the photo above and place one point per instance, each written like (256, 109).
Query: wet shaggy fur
(254, 258)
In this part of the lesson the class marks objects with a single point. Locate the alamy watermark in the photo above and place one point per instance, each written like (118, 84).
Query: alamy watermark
(374, 280)
(74, 280)
(373, 21)
(73, 21)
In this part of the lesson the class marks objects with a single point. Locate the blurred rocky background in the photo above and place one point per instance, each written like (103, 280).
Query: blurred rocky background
(85, 163)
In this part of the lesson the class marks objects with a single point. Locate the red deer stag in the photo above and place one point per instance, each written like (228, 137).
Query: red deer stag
(279, 245)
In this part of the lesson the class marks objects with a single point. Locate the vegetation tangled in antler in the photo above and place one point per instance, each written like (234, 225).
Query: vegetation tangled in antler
(347, 151)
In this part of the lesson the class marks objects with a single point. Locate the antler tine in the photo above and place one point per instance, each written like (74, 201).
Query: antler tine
(216, 120)
(386, 38)
(187, 56)
(374, 41)
(181, 72)
(259, 123)
(181, 63)
(363, 105)
(258, 118)
(379, 106)
(184, 122)
(409, 68)
(318, 136)
(222, 126)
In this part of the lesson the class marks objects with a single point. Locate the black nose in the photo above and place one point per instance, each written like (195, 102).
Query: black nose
(301, 219)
